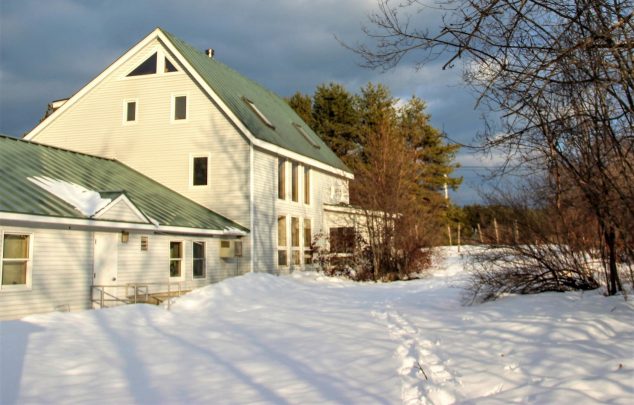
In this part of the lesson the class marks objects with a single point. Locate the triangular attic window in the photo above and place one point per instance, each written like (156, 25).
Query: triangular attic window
(146, 68)
(169, 66)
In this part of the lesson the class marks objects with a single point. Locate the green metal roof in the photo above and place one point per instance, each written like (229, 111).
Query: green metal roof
(21, 160)
(233, 88)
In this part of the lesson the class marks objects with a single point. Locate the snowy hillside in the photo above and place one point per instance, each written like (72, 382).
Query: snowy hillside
(308, 339)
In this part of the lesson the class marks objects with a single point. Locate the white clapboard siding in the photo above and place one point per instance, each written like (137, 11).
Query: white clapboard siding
(265, 218)
(154, 144)
(268, 206)
(157, 146)
(61, 269)
(152, 266)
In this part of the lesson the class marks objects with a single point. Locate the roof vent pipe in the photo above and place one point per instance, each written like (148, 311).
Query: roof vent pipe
(210, 53)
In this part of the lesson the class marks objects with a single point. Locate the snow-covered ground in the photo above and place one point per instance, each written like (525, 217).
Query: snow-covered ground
(309, 339)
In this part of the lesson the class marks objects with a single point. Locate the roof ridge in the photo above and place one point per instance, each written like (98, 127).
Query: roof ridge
(2, 136)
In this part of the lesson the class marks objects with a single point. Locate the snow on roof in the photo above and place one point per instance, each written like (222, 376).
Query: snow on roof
(86, 201)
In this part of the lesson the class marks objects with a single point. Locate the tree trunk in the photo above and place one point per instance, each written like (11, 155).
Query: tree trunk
(610, 243)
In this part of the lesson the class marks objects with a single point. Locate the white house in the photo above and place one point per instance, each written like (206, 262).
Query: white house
(78, 229)
(181, 117)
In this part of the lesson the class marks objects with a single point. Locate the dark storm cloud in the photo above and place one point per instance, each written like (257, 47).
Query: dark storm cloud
(50, 49)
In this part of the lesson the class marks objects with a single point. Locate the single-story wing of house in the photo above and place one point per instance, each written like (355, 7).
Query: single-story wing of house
(79, 231)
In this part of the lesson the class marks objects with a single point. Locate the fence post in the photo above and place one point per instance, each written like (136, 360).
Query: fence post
(169, 294)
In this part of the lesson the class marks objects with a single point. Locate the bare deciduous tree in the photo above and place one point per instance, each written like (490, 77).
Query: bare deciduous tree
(561, 73)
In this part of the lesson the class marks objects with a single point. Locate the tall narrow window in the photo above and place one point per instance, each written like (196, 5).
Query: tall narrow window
(200, 170)
(148, 67)
(306, 185)
(176, 257)
(294, 180)
(180, 108)
(130, 114)
(295, 240)
(198, 260)
(281, 179)
(15, 259)
(282, 253)
(308, 251)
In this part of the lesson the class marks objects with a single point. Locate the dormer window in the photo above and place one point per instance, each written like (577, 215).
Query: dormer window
(146, 68)
(259, 113)
(310, 140)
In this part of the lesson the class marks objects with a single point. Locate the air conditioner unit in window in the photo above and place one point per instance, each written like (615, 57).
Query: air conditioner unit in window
(225, 249)
(237, 248)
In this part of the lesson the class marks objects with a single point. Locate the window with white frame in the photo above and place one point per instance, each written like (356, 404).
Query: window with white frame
(169, 67)
(295, 182)
(281, 179)
(308, 249)
(176, 259)
(282, 246)
(147, 67)
(16, 260)
(306, 185)
(198, 260)
(179, 108)
(295, 247)
(130, 111)
(199, 169)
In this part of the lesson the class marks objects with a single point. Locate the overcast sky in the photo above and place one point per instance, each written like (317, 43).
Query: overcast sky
(49, 49)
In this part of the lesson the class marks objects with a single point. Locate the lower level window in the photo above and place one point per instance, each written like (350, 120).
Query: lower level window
(198, 260)
(342, 240)
(296, 260)
(282, 257)
(176, 257)
(282, 251)
(15, 259)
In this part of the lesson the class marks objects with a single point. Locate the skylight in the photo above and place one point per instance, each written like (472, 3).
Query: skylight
(259, 113)
(310, 140)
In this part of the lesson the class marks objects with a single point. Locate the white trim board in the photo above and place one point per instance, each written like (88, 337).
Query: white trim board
(105, 224)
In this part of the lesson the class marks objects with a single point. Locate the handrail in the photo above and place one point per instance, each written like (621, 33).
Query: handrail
(102, 293)
(139, 290)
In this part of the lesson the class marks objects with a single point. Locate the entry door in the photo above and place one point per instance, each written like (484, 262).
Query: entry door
(105, 258)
